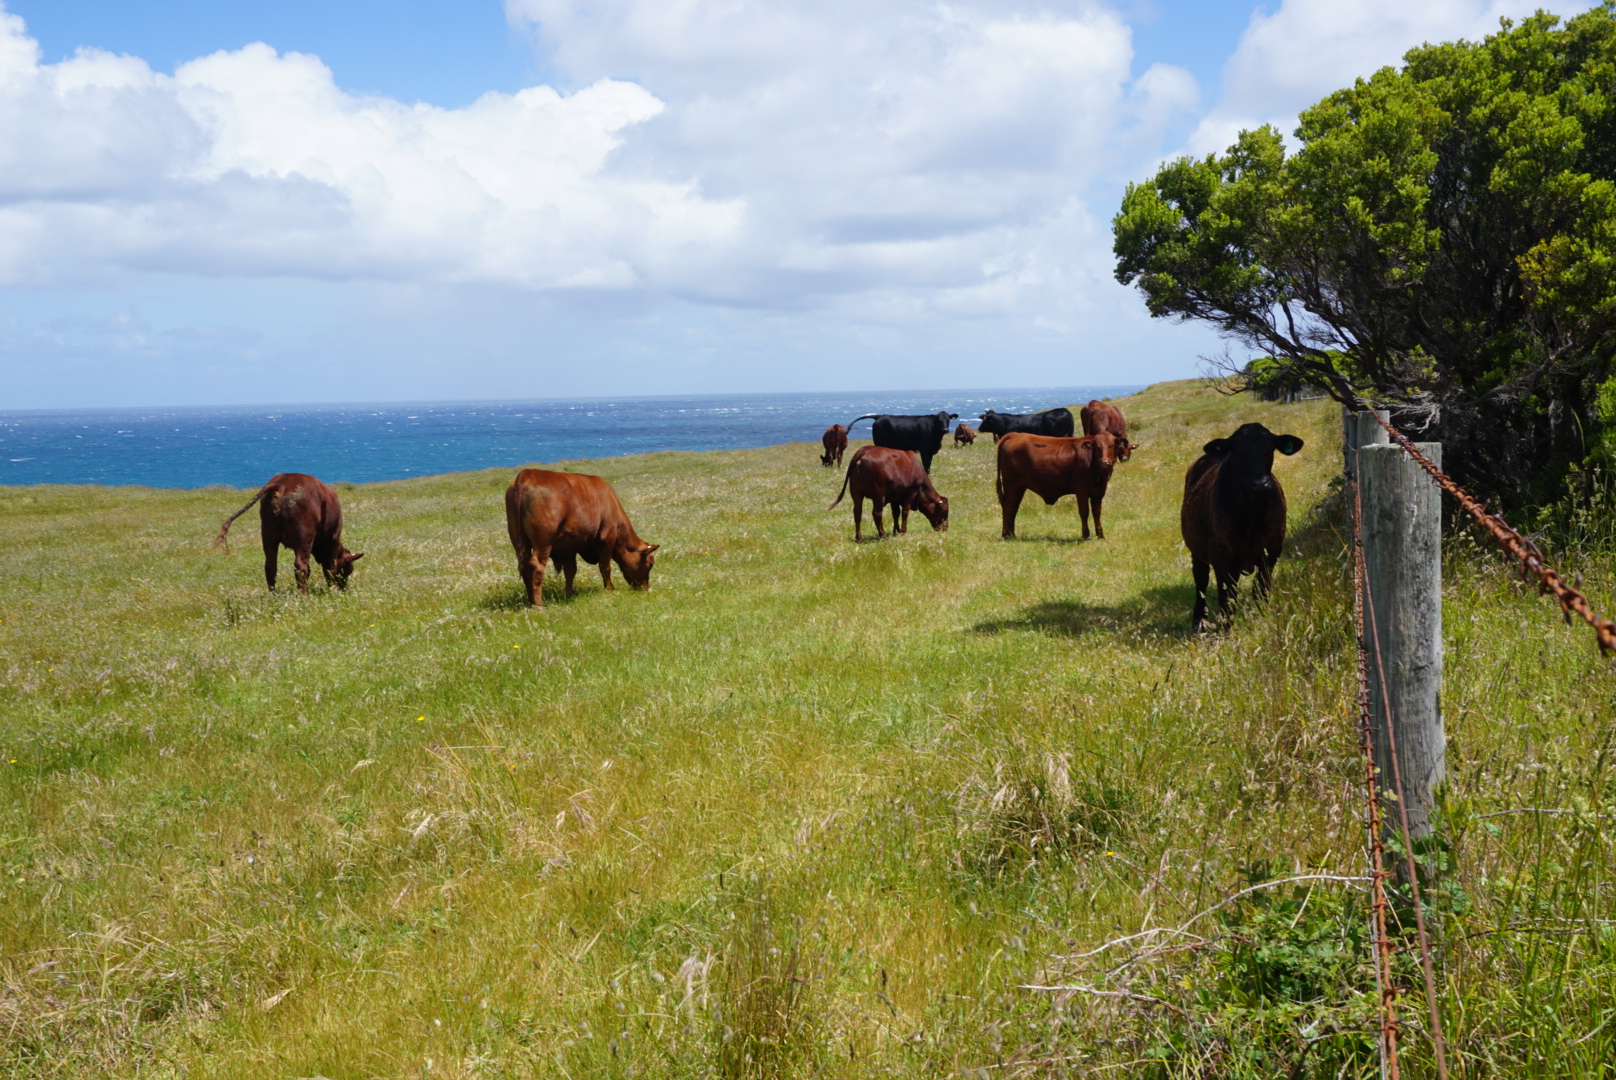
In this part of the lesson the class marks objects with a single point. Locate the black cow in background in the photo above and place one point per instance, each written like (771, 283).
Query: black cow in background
(922, 434)
(1056, 422)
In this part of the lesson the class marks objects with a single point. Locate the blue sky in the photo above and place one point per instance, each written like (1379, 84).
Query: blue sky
(229, 202)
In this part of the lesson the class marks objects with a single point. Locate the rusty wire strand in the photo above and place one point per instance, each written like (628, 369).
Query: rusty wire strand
(1381, 944)
(1517, 546)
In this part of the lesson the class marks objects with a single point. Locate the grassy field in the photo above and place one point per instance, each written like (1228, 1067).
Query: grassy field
(806, 808)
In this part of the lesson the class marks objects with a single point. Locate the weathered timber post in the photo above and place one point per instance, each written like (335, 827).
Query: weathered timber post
(1402, 541)
(1359, 429)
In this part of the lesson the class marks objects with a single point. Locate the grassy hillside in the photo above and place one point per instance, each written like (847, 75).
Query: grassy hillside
(806, 808)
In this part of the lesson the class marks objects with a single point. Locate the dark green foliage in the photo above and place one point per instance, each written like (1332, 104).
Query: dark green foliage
(1444, 240)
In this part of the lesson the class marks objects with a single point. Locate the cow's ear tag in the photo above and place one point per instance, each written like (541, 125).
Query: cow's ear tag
(1287, 444)
(1216, 446)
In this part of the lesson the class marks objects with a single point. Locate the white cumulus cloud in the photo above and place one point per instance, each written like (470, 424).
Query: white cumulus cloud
(903, 156)
(252, 163)
(898, 156)
(1290, 58)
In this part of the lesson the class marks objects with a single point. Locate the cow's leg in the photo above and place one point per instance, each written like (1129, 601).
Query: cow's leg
(1099, 530)
(925, 461)
(1202, 571)
(858, 519)
(272, 550)
(876, 506)
(1226, 591)
(606, 570)
(568, 565)
(524, 567)
(1265, 567)
(1010, 503)
(1083, 513)
(537, 558)
(900, 518)
(300, 567)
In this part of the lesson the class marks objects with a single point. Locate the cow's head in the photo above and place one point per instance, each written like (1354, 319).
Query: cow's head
(992, 423)
(1125, 448)
(342, 566)
(935, 507)
(636, 563)
(1108, 448)
(943, 417)
(1249, 452)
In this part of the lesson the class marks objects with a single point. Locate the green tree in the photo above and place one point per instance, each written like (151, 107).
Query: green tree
(1442, 241)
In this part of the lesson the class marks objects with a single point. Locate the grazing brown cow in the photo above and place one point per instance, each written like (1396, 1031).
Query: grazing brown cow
(835, 440)
(562, 516)
(1051, 466)
(300, 512)
(1233, 516)
(1097, 416)
(893, 478)
(964, 436)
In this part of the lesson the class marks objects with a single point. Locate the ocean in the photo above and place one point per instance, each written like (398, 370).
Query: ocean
(243, 446)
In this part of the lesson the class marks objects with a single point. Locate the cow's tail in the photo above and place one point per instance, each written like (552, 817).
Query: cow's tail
(222, 540)
(847, 479)
(998, 479)
(866, 416)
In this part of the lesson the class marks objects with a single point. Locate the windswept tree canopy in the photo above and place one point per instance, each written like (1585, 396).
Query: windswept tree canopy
(1443, 241)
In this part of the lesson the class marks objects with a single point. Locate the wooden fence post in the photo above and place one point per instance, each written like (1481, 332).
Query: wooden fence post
(1359, 429)
(1402, 541)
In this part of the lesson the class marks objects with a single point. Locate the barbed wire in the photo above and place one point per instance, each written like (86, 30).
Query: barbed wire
(1517, 546)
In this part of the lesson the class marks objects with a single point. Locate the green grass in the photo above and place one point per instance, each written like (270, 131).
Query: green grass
(806, 808)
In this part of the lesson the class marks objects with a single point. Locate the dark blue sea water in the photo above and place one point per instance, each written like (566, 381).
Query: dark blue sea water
(245, 445)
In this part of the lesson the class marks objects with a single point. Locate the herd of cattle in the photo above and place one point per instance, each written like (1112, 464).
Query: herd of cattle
(1232, 516)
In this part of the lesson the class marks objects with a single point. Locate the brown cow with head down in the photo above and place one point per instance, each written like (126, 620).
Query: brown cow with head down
(963, 436)
(1051, 466)
(300, 512)
(562, 516)
(893, 478)
(835, 440)
(1233, 516)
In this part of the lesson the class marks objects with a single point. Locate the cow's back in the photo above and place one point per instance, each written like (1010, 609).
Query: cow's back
(1057, 422)
(883, 470)
(1050, 465)
(571, 509)
(1097, 416)
(296, 503)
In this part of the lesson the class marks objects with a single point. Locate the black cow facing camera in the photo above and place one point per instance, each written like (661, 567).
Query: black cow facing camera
(1233, 515)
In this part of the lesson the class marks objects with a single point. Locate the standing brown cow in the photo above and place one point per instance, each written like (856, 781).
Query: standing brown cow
(300, 512)
(1051, 466)
(835, 440)
(1233, 516)
(562, 516)
(1098, 416)
(964, 436)
(893, 478)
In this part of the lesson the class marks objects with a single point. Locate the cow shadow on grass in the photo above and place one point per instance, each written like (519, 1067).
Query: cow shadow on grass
(1075, 538)
(514, 598)
(1159, 612)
